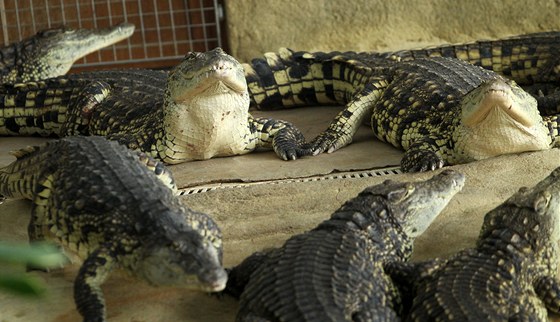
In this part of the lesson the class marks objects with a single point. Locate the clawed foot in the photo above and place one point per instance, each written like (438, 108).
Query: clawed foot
(289, 144)
(421, 161)
(329, 142)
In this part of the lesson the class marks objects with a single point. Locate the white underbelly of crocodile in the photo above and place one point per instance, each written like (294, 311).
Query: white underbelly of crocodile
(225, 136)
(210, 128)
(498, 135)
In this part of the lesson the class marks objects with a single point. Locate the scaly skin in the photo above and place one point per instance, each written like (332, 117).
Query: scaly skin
(527, 59)
(109, 205)
(335, 271)
(509, 276)
(51, 52)
(421, 106)
(197, 111)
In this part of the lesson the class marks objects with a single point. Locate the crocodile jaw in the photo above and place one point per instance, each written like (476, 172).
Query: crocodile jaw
(498, 118)
(58, 52)
(497, 94)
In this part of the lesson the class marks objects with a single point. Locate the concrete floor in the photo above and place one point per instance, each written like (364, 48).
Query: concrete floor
(257, 206)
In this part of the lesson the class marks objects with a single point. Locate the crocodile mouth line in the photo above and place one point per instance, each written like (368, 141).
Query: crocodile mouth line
(498, 99)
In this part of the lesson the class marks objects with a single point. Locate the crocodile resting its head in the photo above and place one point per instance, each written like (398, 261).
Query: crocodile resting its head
(206, 107)
(212, 72)
(418, 203)
(499, 117)
(186, 258)
(52, 52)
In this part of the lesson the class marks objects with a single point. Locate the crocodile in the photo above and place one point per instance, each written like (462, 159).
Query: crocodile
(511, 274)
(110, 206)
(529, 59)
(51, 52)
(334, 272)
(199, 110)
(439, 110)
(526, 58)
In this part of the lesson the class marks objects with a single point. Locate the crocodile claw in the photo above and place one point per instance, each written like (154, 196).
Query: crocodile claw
(329, 142)
(421, 161)
(289, 144)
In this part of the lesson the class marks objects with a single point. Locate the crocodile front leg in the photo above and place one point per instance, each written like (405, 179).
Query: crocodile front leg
(286, 140)
(553, 129)
(80, 114)
(548, 290)
(87, 286)
(423, 155)
(342, 129)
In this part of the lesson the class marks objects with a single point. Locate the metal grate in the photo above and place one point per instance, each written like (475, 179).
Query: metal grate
(165, 29)
(337, 176)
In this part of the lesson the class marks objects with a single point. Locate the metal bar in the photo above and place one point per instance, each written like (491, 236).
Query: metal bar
(129, 46)
(131, 61)
(63, 12)
(189, 30)
(49, 22)
(205, 36)
(175, 49)
(32, 12)
(79, 14)
(109, 11)
(219, 15)
(143, 30)
(4, 23)
(156, 14)
(20, 36)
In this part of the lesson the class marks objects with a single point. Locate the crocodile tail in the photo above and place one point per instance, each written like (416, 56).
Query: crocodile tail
(18, 179)
(525, 58)
(36, 108)
(289, 78)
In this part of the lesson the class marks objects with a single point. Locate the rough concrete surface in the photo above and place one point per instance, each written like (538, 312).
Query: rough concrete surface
(258, 26)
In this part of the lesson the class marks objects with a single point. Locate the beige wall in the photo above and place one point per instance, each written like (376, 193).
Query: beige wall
(257, 26)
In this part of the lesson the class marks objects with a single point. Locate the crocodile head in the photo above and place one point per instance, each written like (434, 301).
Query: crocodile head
(415, 205)
(205, 74)
(206, 103)
(499, 117)
(189, 255)
(52, 52)
(530, 215)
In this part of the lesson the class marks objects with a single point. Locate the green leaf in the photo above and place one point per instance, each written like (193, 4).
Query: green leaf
(40, 255)
(21, 284)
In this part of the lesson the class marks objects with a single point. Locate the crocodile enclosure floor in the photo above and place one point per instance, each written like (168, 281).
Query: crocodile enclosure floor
(258, 208)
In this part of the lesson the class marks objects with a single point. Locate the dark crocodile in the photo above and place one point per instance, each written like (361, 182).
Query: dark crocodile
(335, 271)
(110, 206)
(511, 274)
(197, 111)
(51, 52)
(439, 110)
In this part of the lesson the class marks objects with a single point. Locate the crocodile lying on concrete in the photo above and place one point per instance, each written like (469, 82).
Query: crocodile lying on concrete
(531, 60)
(335, 271)
(197, 111)
(511, 275)
(439, 110)
(107, 204)
(51, 52)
